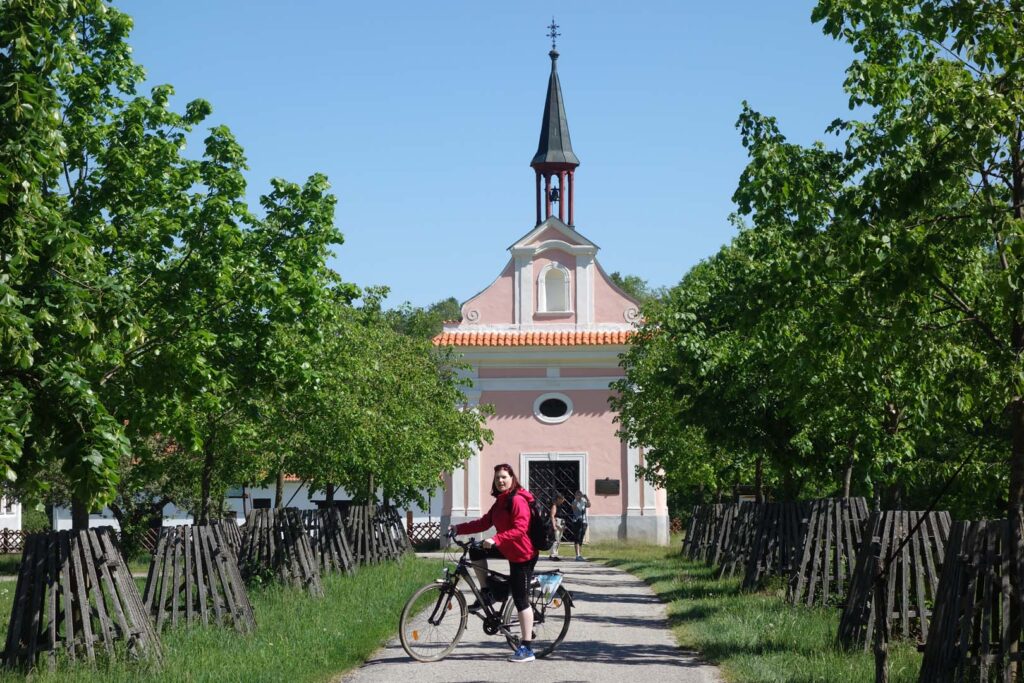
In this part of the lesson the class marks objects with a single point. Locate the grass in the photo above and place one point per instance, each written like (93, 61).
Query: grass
(298, 638)
(753, 637)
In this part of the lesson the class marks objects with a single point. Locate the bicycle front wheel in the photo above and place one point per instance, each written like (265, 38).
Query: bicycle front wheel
(432, 622)
(550, 622)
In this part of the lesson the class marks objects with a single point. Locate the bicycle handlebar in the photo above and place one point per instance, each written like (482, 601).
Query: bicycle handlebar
(466, 545)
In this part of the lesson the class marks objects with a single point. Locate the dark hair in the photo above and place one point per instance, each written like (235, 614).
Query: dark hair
(515, 482)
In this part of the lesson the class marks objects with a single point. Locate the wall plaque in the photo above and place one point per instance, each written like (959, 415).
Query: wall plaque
(606, 487)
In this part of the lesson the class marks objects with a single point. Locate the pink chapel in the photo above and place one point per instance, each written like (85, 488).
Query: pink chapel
(543, 342)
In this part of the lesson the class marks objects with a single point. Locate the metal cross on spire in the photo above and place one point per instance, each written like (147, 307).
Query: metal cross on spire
(553, 32)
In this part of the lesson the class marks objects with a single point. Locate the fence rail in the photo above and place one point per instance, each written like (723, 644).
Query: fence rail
(12, 541)
(424, 531)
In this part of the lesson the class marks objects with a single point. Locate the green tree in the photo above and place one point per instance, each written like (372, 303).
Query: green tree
(424, 323)
(636, 287)
(140, 296)
(382, 411)
(936, 219)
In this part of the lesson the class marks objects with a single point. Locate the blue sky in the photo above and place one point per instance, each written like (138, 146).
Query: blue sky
(425, 117)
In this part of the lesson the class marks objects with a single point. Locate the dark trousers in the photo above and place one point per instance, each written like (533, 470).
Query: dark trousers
(519, 574)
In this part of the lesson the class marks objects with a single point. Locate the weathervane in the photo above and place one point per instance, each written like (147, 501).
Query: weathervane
(553, 32)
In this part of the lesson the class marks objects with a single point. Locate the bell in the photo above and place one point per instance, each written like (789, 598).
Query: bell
(553, 195)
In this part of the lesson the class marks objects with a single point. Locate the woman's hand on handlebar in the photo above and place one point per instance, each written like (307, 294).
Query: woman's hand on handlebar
(468, 543)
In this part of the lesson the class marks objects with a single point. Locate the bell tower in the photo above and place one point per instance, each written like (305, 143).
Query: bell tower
(554, 163)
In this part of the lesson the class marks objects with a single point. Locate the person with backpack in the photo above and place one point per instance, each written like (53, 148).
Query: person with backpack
(511, 514)
(578, 523)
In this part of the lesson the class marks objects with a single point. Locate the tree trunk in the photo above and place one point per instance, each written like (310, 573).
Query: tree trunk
(1015, 511)
(207, 484)
(759, 479)
(279, 491)
(329, 495)
(848, 473)
(79, 514)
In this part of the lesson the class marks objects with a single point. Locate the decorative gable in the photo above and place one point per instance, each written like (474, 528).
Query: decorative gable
(553, 283)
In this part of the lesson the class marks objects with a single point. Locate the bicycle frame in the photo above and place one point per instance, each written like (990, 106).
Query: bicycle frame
(451, 580)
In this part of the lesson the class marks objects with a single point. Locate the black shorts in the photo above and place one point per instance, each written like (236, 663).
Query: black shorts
(578, 530)
(519, 575)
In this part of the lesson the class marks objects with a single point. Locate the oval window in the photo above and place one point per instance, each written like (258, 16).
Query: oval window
(552, 408)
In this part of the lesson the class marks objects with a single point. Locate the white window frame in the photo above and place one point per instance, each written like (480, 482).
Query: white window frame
(552, 420)
(542, 289)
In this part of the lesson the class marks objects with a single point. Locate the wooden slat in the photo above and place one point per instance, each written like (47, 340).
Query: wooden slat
(909, 585)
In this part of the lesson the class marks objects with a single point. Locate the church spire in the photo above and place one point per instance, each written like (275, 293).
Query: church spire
(554, 158)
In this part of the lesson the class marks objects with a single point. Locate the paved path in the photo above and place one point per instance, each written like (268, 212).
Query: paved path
(619, 633)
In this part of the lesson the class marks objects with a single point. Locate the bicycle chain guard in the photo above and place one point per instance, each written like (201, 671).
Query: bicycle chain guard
(492, 624)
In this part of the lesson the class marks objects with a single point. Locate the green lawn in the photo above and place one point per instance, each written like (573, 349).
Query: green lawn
(754, 638)
(297, 638)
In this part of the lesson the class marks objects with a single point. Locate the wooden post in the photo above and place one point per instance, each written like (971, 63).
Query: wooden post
(879, 607)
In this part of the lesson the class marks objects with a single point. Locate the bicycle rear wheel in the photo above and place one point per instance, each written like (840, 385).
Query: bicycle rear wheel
(432, 622)
(550, 622)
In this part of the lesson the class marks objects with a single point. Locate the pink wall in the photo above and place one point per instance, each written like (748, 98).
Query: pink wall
(610, 304)
(592, 372)
(495, 305)
(549, 234)
(590, 429)
(490, 373)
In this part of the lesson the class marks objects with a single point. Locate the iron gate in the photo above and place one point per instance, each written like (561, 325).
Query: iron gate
(549, 478)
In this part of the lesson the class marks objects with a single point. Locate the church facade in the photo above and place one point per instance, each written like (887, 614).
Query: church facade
(543, 342)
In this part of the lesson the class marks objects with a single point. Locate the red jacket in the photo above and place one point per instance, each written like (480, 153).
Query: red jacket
(511, 540)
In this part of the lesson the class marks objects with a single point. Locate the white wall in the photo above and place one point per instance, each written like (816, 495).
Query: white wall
(10, 514)
(294, 496)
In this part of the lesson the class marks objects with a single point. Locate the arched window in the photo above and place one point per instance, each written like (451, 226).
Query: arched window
(554, 290)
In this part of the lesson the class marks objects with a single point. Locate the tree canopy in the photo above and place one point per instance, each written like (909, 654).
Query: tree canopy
(152, 323)
(867, 321)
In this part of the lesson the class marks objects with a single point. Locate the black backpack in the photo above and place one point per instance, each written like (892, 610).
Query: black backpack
(540, 531)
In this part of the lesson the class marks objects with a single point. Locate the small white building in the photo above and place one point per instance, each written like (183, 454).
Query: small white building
(10, 514)
(241, 499)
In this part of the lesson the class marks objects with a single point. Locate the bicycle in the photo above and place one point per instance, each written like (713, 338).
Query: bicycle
(435, 617)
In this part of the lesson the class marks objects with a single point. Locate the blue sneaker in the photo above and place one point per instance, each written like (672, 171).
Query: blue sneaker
(523, 654)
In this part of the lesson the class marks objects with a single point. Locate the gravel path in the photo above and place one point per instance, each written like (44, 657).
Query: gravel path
(619, 634)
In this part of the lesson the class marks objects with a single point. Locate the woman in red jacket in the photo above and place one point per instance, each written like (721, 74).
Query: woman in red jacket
(510, 515)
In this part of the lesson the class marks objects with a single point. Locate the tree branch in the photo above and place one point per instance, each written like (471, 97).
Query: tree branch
(966, 309)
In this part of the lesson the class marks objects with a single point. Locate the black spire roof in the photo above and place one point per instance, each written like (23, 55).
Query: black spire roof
(554, 147)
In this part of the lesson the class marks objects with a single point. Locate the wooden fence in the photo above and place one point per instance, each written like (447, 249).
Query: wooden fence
(12, 541)
(275, 543)
(375, 533)
(911, 580)
(421, 532)
(831, 540)
(76, 598)
(194, 578)
(975, 632)
(326, 529)
(776, 542)
(700, 531)
(740, 538)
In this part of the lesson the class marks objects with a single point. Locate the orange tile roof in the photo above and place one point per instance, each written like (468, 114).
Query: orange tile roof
(563, 338)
